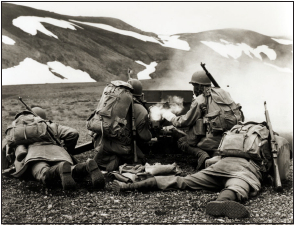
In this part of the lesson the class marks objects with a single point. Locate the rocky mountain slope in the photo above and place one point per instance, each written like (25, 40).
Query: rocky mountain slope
(103, 48)
(45, 47)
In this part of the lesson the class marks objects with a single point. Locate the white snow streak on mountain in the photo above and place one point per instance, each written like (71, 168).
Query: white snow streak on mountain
(7, 40)
(284, 70)
(71, 75)
(169, 41)
(30, 71)
(143, 75)
(172, 41)
(235, 50)
(283, 41)
(32, 24)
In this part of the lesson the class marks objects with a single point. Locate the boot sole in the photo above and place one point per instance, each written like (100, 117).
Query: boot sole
(230, 209)
(67, 180)
(97, 177)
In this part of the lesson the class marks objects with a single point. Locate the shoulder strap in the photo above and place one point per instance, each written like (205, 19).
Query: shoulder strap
(252, 122)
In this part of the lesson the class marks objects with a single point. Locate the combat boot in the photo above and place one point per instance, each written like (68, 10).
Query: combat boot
(89, 168)
(144, 185)
(225, 205)
(62, 172)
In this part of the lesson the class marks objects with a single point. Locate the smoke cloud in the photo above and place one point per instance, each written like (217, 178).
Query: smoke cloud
(249, 81)
(173, 104)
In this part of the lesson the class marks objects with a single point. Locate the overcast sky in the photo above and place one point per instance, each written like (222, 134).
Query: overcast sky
(269, 18)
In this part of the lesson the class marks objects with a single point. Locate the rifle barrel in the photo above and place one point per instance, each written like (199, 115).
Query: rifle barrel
(27, 107)
(274, 150)
(210, 76)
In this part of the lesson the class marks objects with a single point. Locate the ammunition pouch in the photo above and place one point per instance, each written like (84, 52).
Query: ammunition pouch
(200, 127)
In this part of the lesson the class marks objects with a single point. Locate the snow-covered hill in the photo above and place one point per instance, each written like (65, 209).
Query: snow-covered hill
(44, 47)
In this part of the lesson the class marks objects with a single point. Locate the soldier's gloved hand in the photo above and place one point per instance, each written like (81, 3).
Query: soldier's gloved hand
(168, 115)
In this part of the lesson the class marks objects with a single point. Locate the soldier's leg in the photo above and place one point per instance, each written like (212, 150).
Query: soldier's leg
(38, 170)
(105, 160)
(227, 202)
(105, 157)
(195, 181)
(48, 175)
(89, 168)
(149, 184)
(198, 153)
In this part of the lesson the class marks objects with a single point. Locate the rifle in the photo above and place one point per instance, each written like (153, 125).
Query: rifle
(83, 148)
(49, 130)
(133, 124)
(274, 150)
(209, 75)
(129, 72)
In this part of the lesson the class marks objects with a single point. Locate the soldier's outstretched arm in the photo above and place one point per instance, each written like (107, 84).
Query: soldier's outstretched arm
(189, 118)
(68, 135)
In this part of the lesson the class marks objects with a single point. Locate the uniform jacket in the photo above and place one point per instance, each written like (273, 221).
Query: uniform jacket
(190, 118)
(143, 133)
(45, 151)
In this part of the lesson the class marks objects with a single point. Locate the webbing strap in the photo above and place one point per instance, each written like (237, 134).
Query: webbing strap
(101, 130)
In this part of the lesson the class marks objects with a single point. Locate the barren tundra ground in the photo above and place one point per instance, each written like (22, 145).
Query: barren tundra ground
(26, 201)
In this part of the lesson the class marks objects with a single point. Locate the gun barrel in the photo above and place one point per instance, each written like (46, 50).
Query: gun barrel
(210, 76)
(27, 107)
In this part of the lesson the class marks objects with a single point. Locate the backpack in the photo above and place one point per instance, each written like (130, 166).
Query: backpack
(223, 112)
(248, 140)
(27, 129)
(109, 118)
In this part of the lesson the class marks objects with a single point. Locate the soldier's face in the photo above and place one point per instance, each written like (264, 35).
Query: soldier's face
(196, 89)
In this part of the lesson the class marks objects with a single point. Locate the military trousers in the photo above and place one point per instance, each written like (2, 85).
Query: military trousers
(202, 181)
(39, 168)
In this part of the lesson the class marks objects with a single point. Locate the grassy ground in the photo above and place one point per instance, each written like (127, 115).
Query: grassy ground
(25, 201)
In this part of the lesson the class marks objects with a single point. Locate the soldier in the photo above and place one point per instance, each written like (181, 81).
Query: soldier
(110, 151)
(48, 162)
(203, 140)
(236, 179)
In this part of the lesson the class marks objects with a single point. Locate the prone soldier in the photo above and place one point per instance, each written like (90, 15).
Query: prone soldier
(237, 173)
(44, 159)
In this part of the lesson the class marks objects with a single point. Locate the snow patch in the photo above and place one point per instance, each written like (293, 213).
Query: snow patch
(284, 70)
(32, 24)
(236, 50)
(30, 71)
(69, 73)
(283, 41)
(167, 41)
(7, 40)
(172, 41)
(145, 74)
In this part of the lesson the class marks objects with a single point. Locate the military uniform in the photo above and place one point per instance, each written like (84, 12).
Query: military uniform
(235, 178)
(202, 145)
(47, 153)
(48, 162)
(112, 152)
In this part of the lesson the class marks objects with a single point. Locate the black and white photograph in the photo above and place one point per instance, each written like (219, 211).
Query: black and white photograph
(147, 112)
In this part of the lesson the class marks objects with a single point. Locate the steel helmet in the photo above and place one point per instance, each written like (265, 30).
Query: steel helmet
(40, 112)
(137, 87)
(200, 77)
